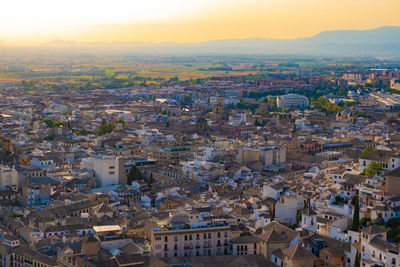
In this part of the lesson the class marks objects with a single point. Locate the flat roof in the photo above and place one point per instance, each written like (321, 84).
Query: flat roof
(107, 228)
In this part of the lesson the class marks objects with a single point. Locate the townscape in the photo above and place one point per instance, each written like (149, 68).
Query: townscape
(253, 164)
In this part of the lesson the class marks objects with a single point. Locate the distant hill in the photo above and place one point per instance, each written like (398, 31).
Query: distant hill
(384, 41)
(388, 34)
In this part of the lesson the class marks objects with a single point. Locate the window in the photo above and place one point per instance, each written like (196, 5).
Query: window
(219, 235)
(166, 239)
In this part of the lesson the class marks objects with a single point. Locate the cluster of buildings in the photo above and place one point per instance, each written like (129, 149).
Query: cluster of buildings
(135, 177)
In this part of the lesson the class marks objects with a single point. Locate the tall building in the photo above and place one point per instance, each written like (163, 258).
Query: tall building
(292, 101)
(109, 169)
(6, 149)
(218, 109)
(246, 155)
(273, 156)
(8, 177)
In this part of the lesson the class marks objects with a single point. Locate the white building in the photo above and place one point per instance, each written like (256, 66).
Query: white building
(8, 177)
(309, 220)
(273, 156)
(109, 169)
(286, 208)
(237, 119)
(292, 101)
(388, 159)
(274, 191)
(375, 249)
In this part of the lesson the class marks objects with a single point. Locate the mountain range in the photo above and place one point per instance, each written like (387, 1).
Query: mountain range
(383, 41)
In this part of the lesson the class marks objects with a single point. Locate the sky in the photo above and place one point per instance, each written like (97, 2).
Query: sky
(35, 21)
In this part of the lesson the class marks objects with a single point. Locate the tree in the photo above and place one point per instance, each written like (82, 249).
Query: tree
(150, 180)
(356, 215)
(373, 168)
(81, 132)
(357, 260)
(366, 151)
(187, 100)
(134, 174)
(299, 214)
(105, 128)
(365, 221)
(324, 105)
(120, 120)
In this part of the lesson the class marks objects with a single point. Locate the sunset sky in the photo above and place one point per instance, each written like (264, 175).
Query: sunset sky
(187, 20)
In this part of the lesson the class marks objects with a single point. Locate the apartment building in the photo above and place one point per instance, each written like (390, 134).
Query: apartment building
(273, 156)
(171, 154)
(204, 238)
(292, 101)
(109, 169)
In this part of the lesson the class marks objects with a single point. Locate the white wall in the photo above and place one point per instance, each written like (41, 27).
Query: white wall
(8, 177)
(107, 169)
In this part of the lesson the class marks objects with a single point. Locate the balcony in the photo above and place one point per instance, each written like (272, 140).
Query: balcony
(186, 247)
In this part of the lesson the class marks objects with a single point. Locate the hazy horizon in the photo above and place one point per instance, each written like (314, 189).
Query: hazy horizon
(191, 21)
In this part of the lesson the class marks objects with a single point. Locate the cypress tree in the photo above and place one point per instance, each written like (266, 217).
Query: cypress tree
(356, 215)
(357, 260)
